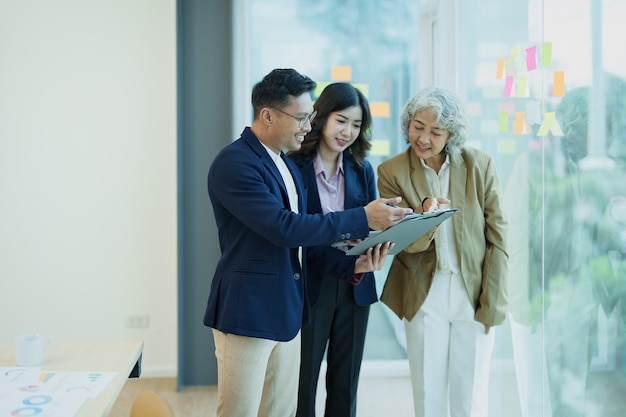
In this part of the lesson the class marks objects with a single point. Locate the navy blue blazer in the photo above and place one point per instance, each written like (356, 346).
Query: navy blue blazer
(360, 189)
(258, 285)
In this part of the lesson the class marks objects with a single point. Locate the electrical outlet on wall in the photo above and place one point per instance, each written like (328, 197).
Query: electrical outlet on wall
(137, 320)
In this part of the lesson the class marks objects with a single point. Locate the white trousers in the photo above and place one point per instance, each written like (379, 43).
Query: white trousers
(256, 377)
(449, 353)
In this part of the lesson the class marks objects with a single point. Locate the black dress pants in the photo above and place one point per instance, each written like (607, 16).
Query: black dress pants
(339, 323)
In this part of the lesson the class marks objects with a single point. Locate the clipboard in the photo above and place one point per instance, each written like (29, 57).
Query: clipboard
(411, 228)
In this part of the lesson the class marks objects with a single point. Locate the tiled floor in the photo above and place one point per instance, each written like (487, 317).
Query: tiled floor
(377, 397)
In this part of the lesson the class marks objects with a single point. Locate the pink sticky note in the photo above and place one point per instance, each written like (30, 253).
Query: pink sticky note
(531, 58)
(508, 86)
(508, 107)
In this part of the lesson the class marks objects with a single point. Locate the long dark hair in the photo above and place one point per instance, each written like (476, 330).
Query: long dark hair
(336, 97)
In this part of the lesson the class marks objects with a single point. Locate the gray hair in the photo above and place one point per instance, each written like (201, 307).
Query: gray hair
(450, 113)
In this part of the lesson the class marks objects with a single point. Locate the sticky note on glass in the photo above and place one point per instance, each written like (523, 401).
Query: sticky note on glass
(380, 148)
(506, 146)
(546, 54)
(380, 109)
(522, 86)
(531, 58)
(558, 86)
(550, 124)
(508, 86)
(341, 73)
(507, 106)
(500, 68)
(363, 88)
(518, 128)
(504, 122)
(321, 85)
(513, 55)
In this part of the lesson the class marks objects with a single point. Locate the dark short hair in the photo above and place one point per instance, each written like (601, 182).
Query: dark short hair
(277, 87)
(336, 97)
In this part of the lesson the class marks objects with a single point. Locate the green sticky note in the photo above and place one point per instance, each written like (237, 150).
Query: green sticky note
(546, 54)
(504, 122)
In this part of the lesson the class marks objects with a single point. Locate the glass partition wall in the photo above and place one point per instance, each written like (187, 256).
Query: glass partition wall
(545, 85)
(545, 81)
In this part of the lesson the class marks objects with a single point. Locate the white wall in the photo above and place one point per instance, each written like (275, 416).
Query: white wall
(88, 172)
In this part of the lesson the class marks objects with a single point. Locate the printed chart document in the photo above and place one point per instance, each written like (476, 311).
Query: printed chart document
(404, 233)
(30, 391)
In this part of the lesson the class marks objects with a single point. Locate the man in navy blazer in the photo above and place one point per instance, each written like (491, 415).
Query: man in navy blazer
(257, 302)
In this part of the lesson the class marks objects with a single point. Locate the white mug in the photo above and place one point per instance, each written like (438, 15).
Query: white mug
(29, 349)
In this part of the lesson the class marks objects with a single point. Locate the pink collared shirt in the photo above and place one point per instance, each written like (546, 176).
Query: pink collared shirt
(331, 190)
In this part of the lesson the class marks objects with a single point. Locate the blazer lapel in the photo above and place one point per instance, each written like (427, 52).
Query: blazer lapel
(256, 145)
(295, 174)
(349, 184)
(458, 171)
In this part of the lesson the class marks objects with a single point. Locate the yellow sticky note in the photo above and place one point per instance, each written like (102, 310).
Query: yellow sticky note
(558, 89)
(363, 88)
(522, 85)
(341, 73)
(380, 109)
(380, 148)
(321, 85)
(519, 123)
(506, 146)
(550, 124)
(515, 52)
(500, 68)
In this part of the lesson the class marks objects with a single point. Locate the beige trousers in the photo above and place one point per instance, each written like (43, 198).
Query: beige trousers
(256, 377)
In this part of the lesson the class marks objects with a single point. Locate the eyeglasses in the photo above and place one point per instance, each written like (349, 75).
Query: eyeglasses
(301, 120)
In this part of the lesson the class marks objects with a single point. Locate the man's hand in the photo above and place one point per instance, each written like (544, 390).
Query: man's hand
(373, 259)
(382, 213)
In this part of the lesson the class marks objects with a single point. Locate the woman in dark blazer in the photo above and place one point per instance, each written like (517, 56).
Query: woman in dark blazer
(337, 177)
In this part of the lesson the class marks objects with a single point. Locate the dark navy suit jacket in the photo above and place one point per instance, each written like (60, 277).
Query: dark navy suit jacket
(258, 285)
(360, 189)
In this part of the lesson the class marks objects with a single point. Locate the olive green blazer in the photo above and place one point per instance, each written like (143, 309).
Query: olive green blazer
(480, 231)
